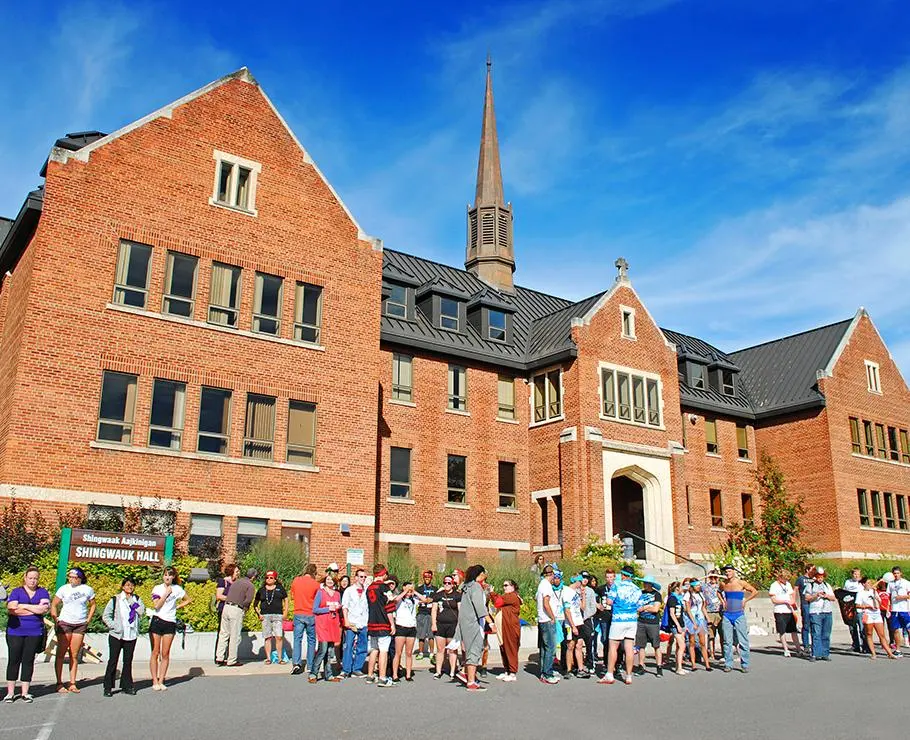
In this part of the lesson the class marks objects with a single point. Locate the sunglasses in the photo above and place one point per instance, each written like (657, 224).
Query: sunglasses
(448, 583)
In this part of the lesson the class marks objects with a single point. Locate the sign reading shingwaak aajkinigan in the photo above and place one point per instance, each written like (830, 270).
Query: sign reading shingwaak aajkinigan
(88, 546)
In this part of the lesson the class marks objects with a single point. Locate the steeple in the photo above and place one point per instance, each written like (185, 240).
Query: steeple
(490, 254)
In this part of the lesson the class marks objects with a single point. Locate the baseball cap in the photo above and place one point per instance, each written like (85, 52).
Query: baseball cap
(585, 574)
(332, 566)
(271, 574)
(820, 571)
(728, 566)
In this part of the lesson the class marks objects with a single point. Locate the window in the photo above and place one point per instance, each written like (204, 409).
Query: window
(267, 304)
(505, 390)
(893, 449)
(132, 280)
(397, 302)
(457, 557)
(458, 388)
(653, 402)
(205, 536)
(166, 423)
(497, 325)
(118, 405)
(157, 521)
(456, 473)
(639, 397)
(698, 376)
(863, 506)
(249, 532)
(104, 518)
(214, 421)
(880, 438)
(608, 392)
(901, 512)
(448, 314)
(399, 550)
(727, 386)
(235, 182)
(628, 322)
(224, 295)
(400, 473)
(854, 436)
(869, 437)
(625, 405)
(872, 379)
(717, 508)
(905, 447)
(301, 447)
(259, 429)
(688, 508)
(876, 509)
(402, 383)
(711, 436)
(889, 510)
(508, 556)
(742, 441)
(547, 395)
(748, 512)
(308, 313)
(507, 498)
(180, 284)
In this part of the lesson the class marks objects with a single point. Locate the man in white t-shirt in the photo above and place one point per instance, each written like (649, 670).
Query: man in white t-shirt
(572, 599)
(821, 599)
(852, 586)
(899, 591)
(786, 613)
(547, 606)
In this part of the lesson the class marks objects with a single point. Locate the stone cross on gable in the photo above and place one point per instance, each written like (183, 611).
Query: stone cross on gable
(623, 268)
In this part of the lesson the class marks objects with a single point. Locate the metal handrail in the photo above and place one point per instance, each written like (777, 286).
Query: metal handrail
(627, 533)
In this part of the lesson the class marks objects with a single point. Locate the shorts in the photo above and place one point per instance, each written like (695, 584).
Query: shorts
(696, 628)
(871, 616)
(900, 620)
(714, 619)
(380, 643)
(585, 630)
(272, 625)
(159, 626)
(785, 623)
(445, 630)
(623, 630)
(65, 628)
(647, 632)
(424, 626)
(405, 632)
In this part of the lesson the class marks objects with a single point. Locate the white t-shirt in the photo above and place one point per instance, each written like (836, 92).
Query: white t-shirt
(865, 597)
(130, 629)
(168, 611)
(571, 600)
(780, 590)
(75, 602)
(899, 588)
(544, 589)
(406, 612)
(853, 586)
(819, 606)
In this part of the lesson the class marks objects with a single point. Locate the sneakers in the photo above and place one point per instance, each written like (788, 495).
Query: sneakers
(9, 698)
(297, 670)
(437, 676)
(371, 679)
(628, 680)
(359, 674)
(639, 670)
(548, 679)
(660, 672)
(608, 678)
(475, 687)
(728, 669)
(510, 678)
(28, 698)
(462, 676)
(385, 684)
(583, 673)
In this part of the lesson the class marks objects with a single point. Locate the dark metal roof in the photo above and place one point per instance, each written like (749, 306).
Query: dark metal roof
(74, 142)
(5, 225)
(20, 231)
(782, 375)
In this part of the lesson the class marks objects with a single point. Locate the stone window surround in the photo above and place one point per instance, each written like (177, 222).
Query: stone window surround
(255, 169)
(630, 312)
(601, 366)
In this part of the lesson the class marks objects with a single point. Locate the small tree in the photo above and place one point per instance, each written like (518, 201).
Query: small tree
(23, 534)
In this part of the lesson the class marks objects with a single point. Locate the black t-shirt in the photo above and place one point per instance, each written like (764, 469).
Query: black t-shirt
(427, 591)
(379, 608)
(269, 602)
(448, 606)
(650, 598)
(675, 608)
(226, 585)
(603, 615)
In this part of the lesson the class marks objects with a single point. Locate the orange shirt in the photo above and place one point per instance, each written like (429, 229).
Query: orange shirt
(303, 591)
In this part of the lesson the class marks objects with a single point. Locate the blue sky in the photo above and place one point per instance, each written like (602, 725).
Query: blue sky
(750, 160)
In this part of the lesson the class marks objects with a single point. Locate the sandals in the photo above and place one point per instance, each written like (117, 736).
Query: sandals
(61, 689)
(73, 689)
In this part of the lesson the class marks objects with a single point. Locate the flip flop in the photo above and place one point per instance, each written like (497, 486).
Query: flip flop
(61, 689)
(73, 689)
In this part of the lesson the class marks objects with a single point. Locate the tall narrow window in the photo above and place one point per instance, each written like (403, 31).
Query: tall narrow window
(717, 508)
(698, 376)
(905, 446)
(259, 429)
(397, 303)
(869, 437)
(638, 399)
(876, 509)
(308, 313)
(400, 473)
(653, 402)
(235, 182)
(249, 532)
(554, 394)
(458, 388)
(625, 397)
(301, 448)
(854, 436)
(402, 387)
(608, 393)
(507, 497)
(727, 384)
(267, 304)
(628, 322)
(224, 295)
(748, 512)
(889, 509)
(893, 449)
(688, 507)
(448, 314)
(132, 280)
(880, 438)
(711, 436)
(742, 441)
(872, 379)
(205, 536)
(180, 284)
(497, 327)
(214, 421)
(118, 406)
(863, 506)
(505, 391)
(456, 476)
(166, 423)
(901, 512)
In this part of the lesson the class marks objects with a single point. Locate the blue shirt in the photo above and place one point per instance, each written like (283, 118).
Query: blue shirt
(626, 597)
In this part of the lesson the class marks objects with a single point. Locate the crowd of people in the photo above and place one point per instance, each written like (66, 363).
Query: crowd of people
(374, 627)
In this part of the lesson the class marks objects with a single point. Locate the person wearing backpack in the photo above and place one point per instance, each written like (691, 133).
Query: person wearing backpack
(121, 617)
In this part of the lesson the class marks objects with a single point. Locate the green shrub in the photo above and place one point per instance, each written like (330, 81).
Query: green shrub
(286, 557)
(838, 571)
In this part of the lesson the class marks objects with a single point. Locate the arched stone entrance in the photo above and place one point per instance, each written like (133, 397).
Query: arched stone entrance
(628, 503)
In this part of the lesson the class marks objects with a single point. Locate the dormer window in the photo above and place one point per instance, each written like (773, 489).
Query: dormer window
(235, 182)
(727, 386)
(397, 302)
(698, 376)
(497, 326)
(448, 314)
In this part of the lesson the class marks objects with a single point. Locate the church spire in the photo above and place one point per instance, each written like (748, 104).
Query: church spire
(490, 254)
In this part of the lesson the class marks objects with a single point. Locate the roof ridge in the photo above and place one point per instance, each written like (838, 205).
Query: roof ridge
(790, 336)
(568, 305)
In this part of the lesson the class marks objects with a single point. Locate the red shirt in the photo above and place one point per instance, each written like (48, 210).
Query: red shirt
(303, 591)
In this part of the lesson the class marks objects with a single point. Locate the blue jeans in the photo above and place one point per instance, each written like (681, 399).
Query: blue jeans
(305, 623)
(548, 648)
(821, 635)
(355, 650)
(806, 626)
(738, 630)
(325, 655)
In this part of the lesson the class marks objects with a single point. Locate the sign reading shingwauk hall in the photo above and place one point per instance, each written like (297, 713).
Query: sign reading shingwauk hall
(88, 546)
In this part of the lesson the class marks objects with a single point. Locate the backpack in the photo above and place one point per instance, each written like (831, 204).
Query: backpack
(665, 619)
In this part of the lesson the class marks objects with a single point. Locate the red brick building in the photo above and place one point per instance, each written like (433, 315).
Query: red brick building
(192, 322)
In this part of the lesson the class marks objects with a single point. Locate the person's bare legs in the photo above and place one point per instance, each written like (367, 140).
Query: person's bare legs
(691, 640)
(409, 657)
(629, 652)
(570, 654)
(579, 655)
(680, 651)
(396, 663)
(75, 647)
(63, 646)
(611, 657)
(440, 655)
(164, 658)
(703, 641)
(471, 673)
(153, 660)
(371, 662)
